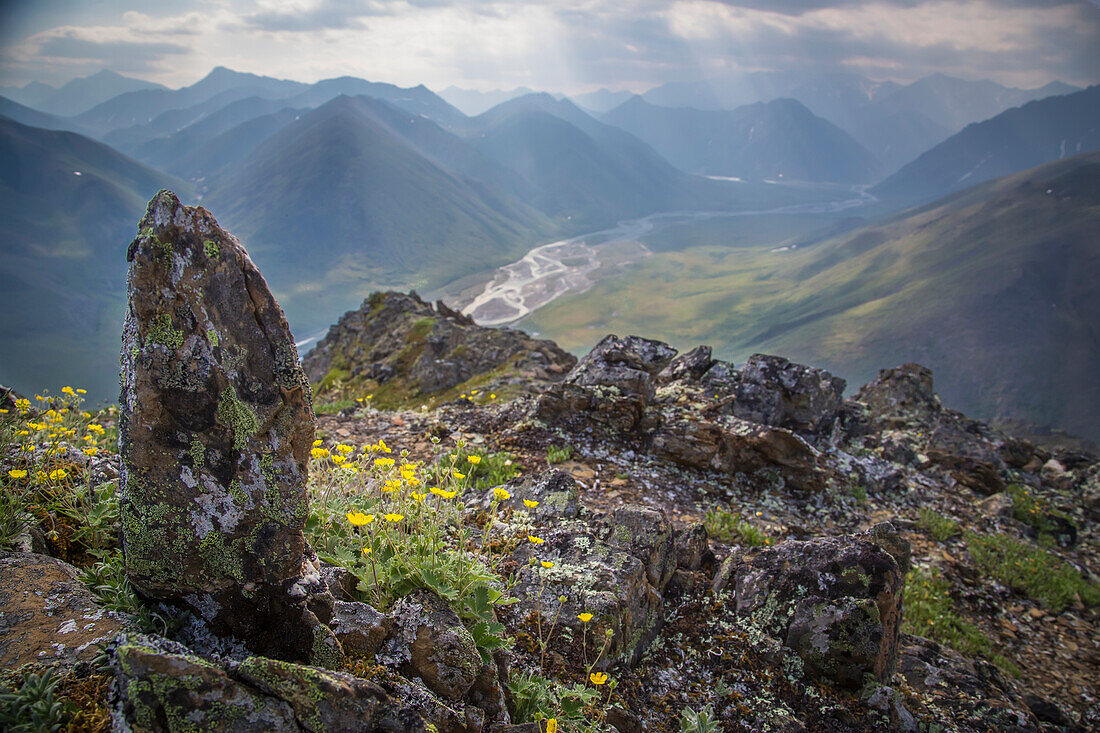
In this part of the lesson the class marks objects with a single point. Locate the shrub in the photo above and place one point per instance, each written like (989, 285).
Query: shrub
(33, 708)
(555, 455)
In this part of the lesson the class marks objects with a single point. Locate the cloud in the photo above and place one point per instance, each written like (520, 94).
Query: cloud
(576, 45)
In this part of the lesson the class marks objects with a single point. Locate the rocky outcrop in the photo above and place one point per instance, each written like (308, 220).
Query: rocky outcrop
(215, 428)
(400, 348)
(162, 686)
(836, 601)
(47, 615)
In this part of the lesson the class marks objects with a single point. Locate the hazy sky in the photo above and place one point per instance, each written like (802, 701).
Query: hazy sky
(563, 45)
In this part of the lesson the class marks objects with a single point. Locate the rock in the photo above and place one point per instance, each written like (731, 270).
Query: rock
(690, 365)
(901, 396)
(1000, 504)
(360, 628)
(1049, 712)
(891, 541)
(48, 615)
(838, 640)
(732, 445)
(614, 567)
(438, 647)
(610, 387)
(692, 550)
(215, 427)
(774, 391)
(835, 600)
(963, 690)
(555, 491)
(399, 340)
(161, 686)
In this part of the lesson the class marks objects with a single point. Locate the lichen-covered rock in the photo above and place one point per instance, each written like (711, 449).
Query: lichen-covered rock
(438, 647)
(360, 628)
(555, 491)
(973, 692)
(47, 615)
(215, 428)
(775, 391)
(611, 386)
(732, 445)
(162, 686)
(691, 365)
(613, 566)
(836, 601)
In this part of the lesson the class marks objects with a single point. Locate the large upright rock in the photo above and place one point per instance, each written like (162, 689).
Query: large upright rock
(215, 431)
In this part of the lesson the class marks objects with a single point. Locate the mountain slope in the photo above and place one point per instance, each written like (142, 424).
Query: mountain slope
(1014, 140)
(337, 199)
(778, 139)
(33, 118)
(63, 259)
(996, 288)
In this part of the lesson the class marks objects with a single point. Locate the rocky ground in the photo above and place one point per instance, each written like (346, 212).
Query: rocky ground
(640, 540)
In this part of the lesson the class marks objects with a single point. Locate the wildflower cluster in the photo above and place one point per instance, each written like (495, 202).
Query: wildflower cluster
(396, 524)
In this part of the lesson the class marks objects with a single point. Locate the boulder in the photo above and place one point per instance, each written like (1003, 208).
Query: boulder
(161, 686)
(774, 391)
(732, 445)
(215, 428)
(434, 642)
(614, 566)
(47, 615)
(689, 366)
(611, 386)
(360, 628)
(835, 600)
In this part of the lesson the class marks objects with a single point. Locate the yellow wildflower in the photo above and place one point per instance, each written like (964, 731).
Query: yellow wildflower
(598, 678)
(552, 725)
(86, 415)
(492, 396)
(57, 474)
(546, 564)
(394, 517)
(344, 449)
(68, 390)
(22, 404)
(81, 391)
(17, 473)
(339, 459)
(445, 494)
(392, 485)
(90, 451)
(359, 519)
(584, 617)
(383, 447)
(530, 503)
(501, 494)
(317, 442)
(535, 540)
(319, 452)
(96, 428)
(383, 462)
(29, 447)
(458, 475)
(474, 391)
(474, 459)
(417, 496)
(366, 550)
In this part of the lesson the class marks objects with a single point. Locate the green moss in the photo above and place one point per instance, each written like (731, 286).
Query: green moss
(163, 332)
(210, 248)
(198, 452)
(420, 329)
(238, 417)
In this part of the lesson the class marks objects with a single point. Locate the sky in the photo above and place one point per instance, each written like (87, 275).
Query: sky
(570, 46)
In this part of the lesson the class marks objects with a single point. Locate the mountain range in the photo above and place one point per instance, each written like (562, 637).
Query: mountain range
(766, 140)
(1019, 138)
(345, 186)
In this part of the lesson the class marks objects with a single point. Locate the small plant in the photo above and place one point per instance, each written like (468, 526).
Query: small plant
(1034, 572)
(930, 612)
(556, 455)
(536, 698)
(33, 707)
(107, 580)
(727, 526)
(940, 527)
(1034, 511)
(698, 722)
